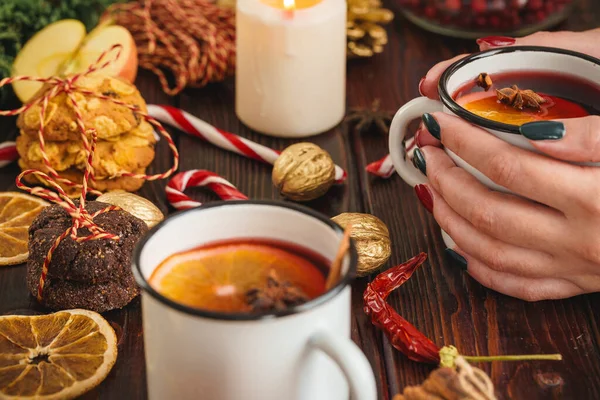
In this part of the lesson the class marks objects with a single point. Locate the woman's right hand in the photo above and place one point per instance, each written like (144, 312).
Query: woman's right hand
(485, 238)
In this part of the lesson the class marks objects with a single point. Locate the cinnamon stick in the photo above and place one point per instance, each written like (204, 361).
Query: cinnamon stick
(336, 265)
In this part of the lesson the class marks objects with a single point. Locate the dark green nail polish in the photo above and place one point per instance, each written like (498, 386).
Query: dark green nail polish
(457, 258)
(432, 126)
(543, 130)
(419, 161)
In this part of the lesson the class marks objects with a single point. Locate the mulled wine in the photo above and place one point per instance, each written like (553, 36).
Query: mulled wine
(519, 97)
(248, 275)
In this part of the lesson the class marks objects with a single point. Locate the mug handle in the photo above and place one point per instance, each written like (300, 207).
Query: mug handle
(398, 129)
(352, 362)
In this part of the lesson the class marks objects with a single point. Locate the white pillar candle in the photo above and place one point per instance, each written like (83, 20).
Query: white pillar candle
(291, 65)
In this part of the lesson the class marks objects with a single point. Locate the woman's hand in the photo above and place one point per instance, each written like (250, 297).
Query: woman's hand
(547, 248)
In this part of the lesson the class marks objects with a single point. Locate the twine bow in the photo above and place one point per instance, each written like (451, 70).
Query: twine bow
(80, 216)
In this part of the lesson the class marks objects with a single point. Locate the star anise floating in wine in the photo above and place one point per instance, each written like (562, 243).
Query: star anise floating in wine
(276, 295)
(520, 99)
(484, 81)
(364, 119)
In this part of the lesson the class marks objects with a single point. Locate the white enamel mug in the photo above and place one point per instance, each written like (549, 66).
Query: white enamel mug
(512, 58)
(303, 353)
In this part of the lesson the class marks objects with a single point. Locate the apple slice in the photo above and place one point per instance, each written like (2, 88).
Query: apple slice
(101, 39)
(62, 48)
(44, 53)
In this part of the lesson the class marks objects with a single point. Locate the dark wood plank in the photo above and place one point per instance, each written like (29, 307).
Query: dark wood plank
(128, 377)
(441, 300)
(215, 104)
(448, 306)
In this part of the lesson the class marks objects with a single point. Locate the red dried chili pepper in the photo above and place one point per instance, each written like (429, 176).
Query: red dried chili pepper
(404, 336)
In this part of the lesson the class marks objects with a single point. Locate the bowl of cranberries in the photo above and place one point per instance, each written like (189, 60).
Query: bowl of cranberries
(474, 18)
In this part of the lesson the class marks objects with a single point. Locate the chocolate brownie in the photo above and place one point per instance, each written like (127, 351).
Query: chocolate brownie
(96, 274)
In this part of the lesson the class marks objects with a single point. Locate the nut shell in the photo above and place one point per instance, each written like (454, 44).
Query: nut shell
(303, 172)
(371, 237)
(137, 206)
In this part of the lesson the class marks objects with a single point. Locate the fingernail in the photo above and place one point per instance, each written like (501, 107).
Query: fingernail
(421, 86)
(457, 258)
(496, 41)
(543, 130)
(425, 197)
(432, 126)
(419, 161)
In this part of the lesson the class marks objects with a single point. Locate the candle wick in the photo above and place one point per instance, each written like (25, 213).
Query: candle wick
(288, 13)
(289, 6)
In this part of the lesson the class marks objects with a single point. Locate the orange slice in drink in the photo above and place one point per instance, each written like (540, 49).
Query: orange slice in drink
(217, 278)
(17, 212)
(55, 356)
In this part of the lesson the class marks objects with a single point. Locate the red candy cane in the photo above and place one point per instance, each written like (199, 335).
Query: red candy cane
(196, 178)
(384, 168)
(220, 138)
(8, 153)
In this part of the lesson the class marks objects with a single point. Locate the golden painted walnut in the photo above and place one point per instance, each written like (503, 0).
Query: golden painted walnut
(303, 172)
(372, 240)
(136, 205)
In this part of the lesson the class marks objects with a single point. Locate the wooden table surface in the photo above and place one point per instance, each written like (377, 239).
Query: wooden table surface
(440, 299)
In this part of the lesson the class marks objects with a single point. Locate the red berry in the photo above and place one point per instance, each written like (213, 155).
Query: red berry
(479, 6)
(550, 7)
(480, 21)
(540, 16)
(453, 5)
(535, 4)
(430, 11)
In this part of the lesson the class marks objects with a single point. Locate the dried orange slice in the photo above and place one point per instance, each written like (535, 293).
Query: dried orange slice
(55, 356)
(17, 212)
(217, 278)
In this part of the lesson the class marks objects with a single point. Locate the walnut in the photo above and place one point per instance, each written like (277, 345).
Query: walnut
(303, 172)
(372, 240)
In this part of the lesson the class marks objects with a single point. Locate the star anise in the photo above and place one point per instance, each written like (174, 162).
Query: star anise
(276, 295)
(364, 118)
(520, 99)
(484, 81)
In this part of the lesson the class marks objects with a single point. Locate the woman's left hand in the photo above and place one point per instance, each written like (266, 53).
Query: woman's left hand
(544, 248)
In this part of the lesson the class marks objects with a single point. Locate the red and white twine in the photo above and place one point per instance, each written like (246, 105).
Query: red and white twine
(192, 39)
(225, 140)
(80, 216)
(199, 178)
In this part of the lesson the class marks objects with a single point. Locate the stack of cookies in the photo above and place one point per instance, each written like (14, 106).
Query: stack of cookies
(125, 140)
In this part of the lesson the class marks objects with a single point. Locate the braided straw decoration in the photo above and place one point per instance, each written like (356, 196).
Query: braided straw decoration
(81, 218)
(193, 39)
(474, 381)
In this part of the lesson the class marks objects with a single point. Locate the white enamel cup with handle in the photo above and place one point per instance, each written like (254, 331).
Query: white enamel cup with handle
(303, 353)
(513, 58)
